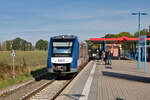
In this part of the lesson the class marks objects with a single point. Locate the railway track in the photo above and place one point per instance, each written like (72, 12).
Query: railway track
(26, 89)
(59, 92)
(47, 87)
(44, 88)
(32, 93)
(50, 90)
(13, 88)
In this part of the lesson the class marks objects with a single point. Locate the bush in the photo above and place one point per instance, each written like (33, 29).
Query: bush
(6, 70)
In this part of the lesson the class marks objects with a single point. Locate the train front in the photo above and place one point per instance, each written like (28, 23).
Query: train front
(63, 54)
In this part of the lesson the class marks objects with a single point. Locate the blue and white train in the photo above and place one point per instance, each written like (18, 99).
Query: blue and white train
(66, 54)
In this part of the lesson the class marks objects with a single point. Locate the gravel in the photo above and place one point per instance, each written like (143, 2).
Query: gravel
(50, 91)
(24, 90)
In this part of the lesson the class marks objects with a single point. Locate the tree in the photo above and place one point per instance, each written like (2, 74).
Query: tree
(92, 46)
(110, 36)
(21, 44)
(127, 34)
(30, 47)
(0, 46)
(3, 46)
(42, 44)
(8, 45)
(142, 32)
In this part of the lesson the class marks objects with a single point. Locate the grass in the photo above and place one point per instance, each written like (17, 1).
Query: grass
(27, 64)
(10, 81)
(32, 58)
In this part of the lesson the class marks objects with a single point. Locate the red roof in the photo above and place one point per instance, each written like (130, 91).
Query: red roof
(123, 38)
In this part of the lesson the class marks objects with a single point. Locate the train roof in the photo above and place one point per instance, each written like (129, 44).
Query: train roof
(82, 43)
(64, 37)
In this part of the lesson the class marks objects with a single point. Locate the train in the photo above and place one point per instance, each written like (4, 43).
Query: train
(66, 54)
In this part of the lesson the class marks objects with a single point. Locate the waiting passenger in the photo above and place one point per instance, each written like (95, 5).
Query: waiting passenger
(103, 56)
(108, 57)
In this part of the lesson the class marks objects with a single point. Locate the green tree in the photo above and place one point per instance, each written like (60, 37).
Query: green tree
(127, 34)
(8, 45)
(92, 46)
(142, 32)
(21, 44)
(30, 47)
(0, 46)
(110, 36)
(41, 45)
(3, 46)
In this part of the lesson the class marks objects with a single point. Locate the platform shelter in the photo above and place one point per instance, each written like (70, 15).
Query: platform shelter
(128, 47)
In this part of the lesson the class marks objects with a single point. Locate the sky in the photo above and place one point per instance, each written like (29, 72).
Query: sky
(41, 19)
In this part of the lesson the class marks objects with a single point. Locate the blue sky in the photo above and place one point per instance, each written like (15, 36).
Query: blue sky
(41, 19)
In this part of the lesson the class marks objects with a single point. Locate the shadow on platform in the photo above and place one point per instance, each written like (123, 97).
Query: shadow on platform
(73, 96)
(119, 99)
(108, 67)
(127, 76)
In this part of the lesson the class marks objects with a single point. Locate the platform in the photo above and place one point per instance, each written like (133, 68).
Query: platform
(119, 81)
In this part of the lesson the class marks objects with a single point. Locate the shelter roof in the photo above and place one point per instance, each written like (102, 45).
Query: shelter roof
(121, 39)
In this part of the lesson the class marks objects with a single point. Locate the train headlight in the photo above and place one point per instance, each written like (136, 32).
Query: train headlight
(54, 60)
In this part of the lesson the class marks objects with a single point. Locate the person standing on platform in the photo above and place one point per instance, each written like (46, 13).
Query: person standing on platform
(103, 56)
(107, 57)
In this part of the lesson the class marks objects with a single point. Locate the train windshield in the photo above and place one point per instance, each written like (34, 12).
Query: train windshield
(62, 48)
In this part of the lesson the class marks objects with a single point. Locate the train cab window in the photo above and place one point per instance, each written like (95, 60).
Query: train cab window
(62, 48)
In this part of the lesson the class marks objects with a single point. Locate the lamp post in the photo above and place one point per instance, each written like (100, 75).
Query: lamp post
(139, 49)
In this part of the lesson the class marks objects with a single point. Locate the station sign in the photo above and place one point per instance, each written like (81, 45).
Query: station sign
(13, 53)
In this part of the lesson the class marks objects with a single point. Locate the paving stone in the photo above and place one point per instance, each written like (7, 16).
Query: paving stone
(119, 81)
